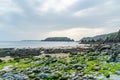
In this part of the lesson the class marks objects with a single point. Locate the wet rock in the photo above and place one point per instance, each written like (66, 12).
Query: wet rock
(107, 76)
(73, 61)
(1, 60)
(80, 68)
(74, 74)
(117, 72)
(106, 68)
(54, 60)
(115, 57)
(36, 70)
(88, 77)
(44, 75)
(45, 69)
(36, 79)
(90, 58)
(105, 47)
(96, 68)
(118, 58)
(14, 76)
(78, 65)
(65, 76)
(7, 68)
(81, 74)
(32, 75)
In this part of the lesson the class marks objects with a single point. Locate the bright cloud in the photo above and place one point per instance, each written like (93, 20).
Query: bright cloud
(77, 33)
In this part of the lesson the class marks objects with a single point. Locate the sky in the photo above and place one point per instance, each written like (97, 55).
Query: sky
(38, 19)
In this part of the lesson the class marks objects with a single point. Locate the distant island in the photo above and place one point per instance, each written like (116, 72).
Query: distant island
(57, 39)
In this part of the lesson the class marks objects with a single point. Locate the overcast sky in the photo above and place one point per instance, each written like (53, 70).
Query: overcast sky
(38, 19)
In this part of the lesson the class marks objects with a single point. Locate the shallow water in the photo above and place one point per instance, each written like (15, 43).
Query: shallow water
(35, 44)
(112, 77)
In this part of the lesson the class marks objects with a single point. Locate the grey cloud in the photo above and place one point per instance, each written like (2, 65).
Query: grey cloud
(30, 22)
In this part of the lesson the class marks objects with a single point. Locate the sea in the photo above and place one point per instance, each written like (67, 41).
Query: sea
(36, 44)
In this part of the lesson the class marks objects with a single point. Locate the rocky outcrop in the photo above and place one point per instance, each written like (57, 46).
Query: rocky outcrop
(105, 38)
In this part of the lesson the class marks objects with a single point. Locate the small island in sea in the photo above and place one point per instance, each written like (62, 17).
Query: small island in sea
(58, 39)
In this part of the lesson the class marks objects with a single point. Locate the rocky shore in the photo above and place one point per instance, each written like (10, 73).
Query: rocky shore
(29, 52)
(94, 62)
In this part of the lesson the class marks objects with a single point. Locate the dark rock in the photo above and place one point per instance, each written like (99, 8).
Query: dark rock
(36, 79)
(96, 68)
(108, 76)
(105, 47)
(14, 76)
(117, 72)
(78, 65)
